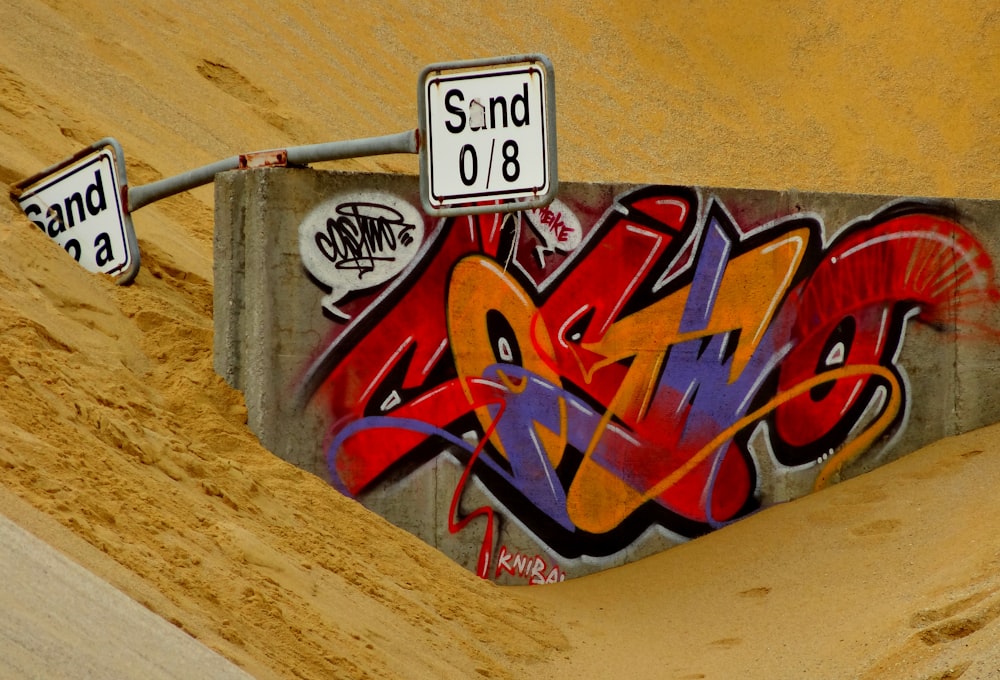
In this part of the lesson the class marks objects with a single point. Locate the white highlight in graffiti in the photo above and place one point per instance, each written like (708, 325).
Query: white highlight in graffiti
(576, 337)
(836, 356)
(385, 368)
(506, 353)
(357, 241)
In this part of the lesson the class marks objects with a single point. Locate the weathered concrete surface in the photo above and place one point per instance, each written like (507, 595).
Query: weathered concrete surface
(939, 363)
(60, 621)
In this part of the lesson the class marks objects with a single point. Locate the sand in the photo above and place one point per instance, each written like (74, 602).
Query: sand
(121, 447)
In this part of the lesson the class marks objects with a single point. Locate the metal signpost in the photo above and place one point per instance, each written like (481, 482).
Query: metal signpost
(486, 138)
(65, 197)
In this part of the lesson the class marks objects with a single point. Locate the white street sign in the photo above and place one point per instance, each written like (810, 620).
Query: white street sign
(487, 135)
(79, 205)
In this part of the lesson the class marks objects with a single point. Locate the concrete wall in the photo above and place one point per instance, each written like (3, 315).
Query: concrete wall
(550, 393)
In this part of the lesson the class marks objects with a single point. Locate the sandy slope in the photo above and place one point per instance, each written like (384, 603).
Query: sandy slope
(134, 458)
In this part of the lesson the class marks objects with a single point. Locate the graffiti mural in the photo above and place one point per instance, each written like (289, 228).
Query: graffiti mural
(601, 369)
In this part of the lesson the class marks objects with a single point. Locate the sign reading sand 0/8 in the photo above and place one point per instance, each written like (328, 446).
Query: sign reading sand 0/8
(488, 135)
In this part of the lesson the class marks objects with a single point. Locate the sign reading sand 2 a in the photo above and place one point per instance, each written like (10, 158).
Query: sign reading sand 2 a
(78, 204)
(487, 135)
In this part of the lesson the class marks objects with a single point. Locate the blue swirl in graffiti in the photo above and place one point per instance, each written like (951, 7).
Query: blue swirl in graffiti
(532, 474)
(381, 422)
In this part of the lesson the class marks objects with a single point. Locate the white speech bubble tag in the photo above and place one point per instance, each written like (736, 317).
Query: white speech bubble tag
(357, 241)
(557, 229)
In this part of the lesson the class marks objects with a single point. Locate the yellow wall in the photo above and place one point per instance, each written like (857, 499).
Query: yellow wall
(888, 97)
